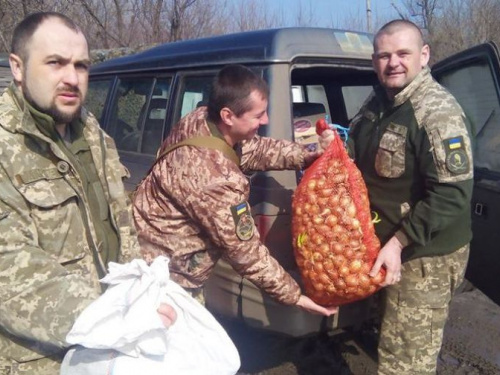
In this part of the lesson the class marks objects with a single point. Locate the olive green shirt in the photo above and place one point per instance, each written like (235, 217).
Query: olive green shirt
(415, 155)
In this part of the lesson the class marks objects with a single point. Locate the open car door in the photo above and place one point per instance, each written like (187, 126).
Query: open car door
(473, 77)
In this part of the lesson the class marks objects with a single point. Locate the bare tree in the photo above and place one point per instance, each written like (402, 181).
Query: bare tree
(422, 12)
(354, 21)
(305, 17)
(449, 25)
(207, 18)
(251, 15)
(176, 17)
(484, 15)
(12, 11)
(136, 23)
(97, 23)
(453, 25)
(156, 24)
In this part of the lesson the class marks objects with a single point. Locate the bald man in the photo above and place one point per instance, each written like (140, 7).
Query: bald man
(412, 143)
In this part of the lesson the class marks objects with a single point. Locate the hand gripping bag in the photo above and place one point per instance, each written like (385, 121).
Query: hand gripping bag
(334, 241)
(121, 333)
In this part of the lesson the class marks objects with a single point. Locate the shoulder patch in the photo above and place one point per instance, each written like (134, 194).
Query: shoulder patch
(243, 221)
(457, 161)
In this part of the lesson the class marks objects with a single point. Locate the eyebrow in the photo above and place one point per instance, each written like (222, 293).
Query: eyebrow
(62, 58)
(381, 53)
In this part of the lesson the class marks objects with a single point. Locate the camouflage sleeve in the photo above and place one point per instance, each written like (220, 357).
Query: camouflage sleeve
(445, 161)
(262, 153)
(39, 298)
(215, 199)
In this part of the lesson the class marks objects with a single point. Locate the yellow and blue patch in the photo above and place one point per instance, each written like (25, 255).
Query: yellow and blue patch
(243, 221)
(457, 161)
(241, 208)
(455, 143)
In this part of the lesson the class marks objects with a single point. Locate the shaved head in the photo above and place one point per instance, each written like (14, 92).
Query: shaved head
(399, 55)
(395, 26)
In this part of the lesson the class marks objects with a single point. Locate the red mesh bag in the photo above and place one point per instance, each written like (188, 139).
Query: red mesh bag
(334, 240)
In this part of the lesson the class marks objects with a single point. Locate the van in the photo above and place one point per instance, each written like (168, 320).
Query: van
(312, 73)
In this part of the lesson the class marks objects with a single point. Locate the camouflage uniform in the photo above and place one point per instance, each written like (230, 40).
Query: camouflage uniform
(47, 245)
(193, 208)
(415, 155)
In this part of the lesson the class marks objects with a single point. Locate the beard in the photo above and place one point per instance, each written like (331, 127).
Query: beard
(57, 115)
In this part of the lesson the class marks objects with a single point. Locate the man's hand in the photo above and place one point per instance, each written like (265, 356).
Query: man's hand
(307, 304)
(167, 314)
(324, 141)
(389, 257)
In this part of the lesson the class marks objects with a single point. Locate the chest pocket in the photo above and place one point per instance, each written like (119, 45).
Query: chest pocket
(390, 158)
(47, 192)
(56, 216)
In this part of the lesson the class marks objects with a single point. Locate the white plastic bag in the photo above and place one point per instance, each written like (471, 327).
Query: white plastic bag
(121, 333)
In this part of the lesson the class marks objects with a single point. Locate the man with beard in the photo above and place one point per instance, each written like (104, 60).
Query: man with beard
(64, 213)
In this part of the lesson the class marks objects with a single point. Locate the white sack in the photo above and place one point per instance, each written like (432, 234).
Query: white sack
(121, 333)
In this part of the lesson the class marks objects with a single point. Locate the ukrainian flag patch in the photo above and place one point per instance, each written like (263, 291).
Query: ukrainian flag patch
(241, 208)
(455, 143)
(243, 221)
(457, 161)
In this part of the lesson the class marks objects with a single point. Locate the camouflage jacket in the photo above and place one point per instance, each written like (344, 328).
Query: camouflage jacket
(193, 207)
(47, 272)
(415, 154)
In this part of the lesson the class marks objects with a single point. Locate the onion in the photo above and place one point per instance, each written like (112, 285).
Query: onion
(333, 236)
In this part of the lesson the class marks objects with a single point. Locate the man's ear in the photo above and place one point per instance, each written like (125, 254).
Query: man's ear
(226, 116)
(16, 67)
(425, 55)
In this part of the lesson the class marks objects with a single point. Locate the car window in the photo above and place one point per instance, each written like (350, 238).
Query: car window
(309, 104)
(154, 117)
(96, 96)
(354, 97)
(194, 93)
(474, 88)
(329, 95)
(139, 112)
(311, 94)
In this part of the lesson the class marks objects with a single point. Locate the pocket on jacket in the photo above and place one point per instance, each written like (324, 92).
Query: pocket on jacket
(47, 193)
(390, 158)
(57, 218)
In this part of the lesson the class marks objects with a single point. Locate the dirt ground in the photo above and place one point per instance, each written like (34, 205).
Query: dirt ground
(471, 346)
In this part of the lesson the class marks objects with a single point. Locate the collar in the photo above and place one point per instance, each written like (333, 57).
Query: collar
(409, 90)
(43, 122)
(215, 132)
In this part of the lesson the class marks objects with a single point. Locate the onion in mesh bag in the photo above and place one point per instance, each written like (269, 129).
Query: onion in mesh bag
(334, 241)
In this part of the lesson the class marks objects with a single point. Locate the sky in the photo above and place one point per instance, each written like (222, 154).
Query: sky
(335, 13)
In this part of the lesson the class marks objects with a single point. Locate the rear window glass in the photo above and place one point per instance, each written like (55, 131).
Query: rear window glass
(354, 97)
(139, 111)
(195, 91)
(474, 88)
(96, 96)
